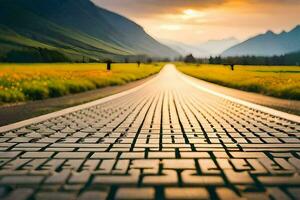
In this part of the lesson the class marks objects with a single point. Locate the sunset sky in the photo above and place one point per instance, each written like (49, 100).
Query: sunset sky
(194, 21)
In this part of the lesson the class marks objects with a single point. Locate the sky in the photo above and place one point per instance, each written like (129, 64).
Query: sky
(196, 21)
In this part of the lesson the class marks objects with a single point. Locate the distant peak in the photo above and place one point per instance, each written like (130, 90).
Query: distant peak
(270, 33)
(224, 40)
(283, 32)
(296, 28)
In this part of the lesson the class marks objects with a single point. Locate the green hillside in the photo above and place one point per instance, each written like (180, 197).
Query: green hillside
(74, 29)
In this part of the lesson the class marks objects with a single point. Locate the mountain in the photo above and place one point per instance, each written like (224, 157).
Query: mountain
(206, 49)
(216, 47)
(185, 49)
(268, 44)
(73, 28)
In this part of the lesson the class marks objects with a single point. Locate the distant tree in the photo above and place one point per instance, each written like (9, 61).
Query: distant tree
(149, 60)
(166, 60)
(34, 55)
(108, 64)
(211, 60)
(288, 59)
(231, 61)
(218, 60)
(190, 59)
(179, 58)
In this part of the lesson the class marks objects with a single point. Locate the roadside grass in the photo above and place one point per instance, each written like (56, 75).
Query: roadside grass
(276, 81)
(23, 82)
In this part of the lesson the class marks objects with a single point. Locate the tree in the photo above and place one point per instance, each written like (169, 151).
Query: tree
(149, 60)
(211, 60)
(218, 60)
(34, 55)
(108, 64)
(190, 59)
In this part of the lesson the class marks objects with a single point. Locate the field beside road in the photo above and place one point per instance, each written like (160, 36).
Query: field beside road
(23, 82)
(276, 81)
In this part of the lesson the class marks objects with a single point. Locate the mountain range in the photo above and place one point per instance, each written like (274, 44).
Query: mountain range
(74, 28)
(216, 47)
(78, 28)
(205, 49)
(185, 49)
(268, 44)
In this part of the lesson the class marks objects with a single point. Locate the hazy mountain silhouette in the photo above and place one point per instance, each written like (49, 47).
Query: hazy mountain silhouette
(206, 49)
(268, 44)
(216, 47)
(75, 28)
(185, 49)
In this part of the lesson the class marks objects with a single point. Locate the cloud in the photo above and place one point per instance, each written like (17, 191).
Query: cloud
(155, 7)
(276, 1)
(171, 27)
(200, 20)
(137, 9)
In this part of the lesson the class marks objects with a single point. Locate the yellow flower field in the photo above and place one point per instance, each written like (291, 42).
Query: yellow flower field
(21, 82)
(277, 81)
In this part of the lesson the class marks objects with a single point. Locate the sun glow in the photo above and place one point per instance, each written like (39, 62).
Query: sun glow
(190, 14)
(185, 20)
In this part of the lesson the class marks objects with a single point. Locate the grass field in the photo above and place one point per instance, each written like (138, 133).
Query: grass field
(22, 82)
(277, 81)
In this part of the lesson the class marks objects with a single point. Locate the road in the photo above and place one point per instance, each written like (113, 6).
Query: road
(167, 139)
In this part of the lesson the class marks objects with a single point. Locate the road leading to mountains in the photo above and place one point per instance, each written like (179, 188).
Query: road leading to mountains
(170, 138)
